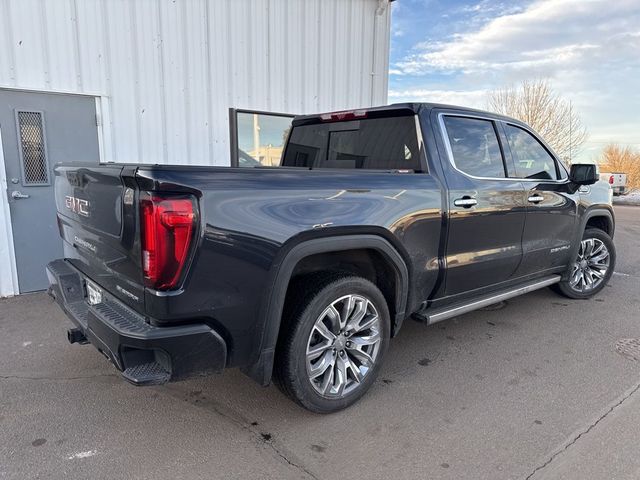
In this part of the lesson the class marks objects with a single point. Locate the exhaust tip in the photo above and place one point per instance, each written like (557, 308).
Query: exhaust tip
(75, 335)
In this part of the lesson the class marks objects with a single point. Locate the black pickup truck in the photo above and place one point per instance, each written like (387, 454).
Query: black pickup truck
(303, 272)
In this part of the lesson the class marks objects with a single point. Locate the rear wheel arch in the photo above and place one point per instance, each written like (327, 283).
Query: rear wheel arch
(273, 306)
(367, 263)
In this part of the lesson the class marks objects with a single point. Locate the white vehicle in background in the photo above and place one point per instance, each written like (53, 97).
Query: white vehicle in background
(617, 181)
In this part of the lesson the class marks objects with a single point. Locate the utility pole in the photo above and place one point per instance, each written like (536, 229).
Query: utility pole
(256, 136)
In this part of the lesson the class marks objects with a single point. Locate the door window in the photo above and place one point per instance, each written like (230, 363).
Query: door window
(33, 156)
(474, 146)
(531, 159)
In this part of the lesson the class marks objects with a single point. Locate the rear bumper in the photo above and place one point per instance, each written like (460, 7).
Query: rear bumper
(145, 354)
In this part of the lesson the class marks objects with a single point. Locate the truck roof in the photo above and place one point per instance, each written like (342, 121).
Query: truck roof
(393, 109)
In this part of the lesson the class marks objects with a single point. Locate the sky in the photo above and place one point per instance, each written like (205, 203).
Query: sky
(456, 51)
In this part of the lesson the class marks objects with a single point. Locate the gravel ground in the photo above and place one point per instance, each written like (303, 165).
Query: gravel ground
(536, 389)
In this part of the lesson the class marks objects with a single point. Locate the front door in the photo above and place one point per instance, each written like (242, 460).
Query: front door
(487, 209)
(551, 203)
(38, 131)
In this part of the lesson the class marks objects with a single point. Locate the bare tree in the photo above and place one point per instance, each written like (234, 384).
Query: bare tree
(536, 104)
(619, 159)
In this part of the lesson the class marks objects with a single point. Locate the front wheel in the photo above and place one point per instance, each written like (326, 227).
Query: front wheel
(592, 268)
(333, 342)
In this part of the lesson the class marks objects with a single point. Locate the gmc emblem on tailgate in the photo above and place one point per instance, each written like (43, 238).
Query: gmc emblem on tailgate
(77, 205)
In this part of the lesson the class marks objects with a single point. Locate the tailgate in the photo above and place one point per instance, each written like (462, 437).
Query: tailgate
(96, 215)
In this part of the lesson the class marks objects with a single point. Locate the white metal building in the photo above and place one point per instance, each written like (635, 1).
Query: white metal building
(152, 81)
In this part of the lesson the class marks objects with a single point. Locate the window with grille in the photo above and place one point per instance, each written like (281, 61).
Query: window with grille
(33, 152)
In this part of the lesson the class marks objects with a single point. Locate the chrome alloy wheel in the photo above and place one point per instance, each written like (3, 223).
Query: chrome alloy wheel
(343, 346)
(591, 266)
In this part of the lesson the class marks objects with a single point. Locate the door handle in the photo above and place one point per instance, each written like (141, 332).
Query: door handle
(536, 198)
(17, 195)
(466, 202)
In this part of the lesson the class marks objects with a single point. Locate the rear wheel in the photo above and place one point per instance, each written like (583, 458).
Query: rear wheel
(333, 342)
(593, 266)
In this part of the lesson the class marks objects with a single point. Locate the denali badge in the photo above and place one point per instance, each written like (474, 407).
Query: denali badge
(77, 205)
(83, 243)
(559, 249)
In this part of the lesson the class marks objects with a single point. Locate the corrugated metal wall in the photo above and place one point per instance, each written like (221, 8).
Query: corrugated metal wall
(169, 70)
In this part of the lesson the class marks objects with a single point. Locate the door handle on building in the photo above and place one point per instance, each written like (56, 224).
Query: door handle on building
(17, 195)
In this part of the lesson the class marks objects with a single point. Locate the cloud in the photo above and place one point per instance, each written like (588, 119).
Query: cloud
(468, 98)
(548, 36)
(588, 49)
(488, 9)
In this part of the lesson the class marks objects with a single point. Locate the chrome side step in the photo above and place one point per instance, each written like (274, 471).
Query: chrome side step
(437, 315)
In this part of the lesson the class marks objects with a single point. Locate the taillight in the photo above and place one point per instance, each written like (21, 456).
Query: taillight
(167, 225)
(610, 179)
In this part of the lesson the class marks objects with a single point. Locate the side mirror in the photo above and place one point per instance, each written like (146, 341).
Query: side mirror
(584, 174)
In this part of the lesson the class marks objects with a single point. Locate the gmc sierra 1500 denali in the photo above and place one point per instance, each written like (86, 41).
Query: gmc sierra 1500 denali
(303, 272)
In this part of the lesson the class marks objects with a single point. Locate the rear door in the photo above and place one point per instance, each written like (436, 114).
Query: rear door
(39, 130)
(551, 207)
(486, 208)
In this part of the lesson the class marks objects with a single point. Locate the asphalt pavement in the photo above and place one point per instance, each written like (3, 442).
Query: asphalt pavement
(535, 389)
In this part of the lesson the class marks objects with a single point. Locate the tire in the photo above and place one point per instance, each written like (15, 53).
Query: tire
(595, 245)
(311, 327)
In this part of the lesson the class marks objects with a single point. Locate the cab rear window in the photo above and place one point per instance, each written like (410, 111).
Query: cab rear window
(369, 144)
